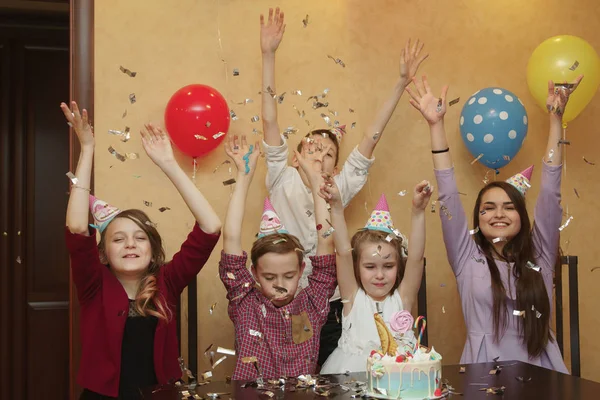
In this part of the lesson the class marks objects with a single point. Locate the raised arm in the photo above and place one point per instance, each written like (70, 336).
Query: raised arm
(312, 169)
(157, 145)
(244, 157)
(344, 264)
(409, 287)
(410, 60)
(459, 245)
(271, 34)
(78, 208)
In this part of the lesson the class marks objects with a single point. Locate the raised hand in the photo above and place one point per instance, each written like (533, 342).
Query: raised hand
(157, 145)
(330, 192)
(421, 195)
(311, 160)
(558, 95)
(243, 156)
(410, 60)
(80, 123)
(271, 33)
(432, 108)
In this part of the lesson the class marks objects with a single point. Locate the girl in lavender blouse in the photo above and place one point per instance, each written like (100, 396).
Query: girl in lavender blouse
(503, 267)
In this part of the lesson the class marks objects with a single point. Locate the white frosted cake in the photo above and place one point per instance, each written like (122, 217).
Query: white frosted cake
(397, 370)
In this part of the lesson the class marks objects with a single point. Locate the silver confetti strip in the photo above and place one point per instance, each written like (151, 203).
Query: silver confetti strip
(318, 104)
(532, 266)
(326, 118)
(147, 203)
(152, 224)
(218, 135)
(567, 222)
(223, 350)
(402, 193)
(256, 118)
(219, 361)
(233, 115)
(231, 276)
(200, 137)
(256, 131)
(132, 98)
(297, 92)
(73, 178)
(477, 159)
(453, 102)
(127, 72)
(337, 61)
(499, 239)
(236, 72)
(518, 313)
(255, 333)
(115, 153)
(281, 97)
(353, 125)
(474, 231)
(574, 66)
(132, 156)
(246, 101)
(305, 21)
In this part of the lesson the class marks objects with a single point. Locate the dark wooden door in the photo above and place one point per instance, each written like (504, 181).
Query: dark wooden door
(34, 157)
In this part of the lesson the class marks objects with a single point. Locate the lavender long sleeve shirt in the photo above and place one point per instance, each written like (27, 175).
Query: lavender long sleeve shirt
(474, 280)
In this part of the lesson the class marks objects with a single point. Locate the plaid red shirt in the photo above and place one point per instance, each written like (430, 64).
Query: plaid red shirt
(265, 331)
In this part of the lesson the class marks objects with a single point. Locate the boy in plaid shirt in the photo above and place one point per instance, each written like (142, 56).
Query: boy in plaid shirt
(277, 332)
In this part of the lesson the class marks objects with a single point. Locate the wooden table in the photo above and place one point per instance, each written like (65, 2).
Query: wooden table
(544, 384)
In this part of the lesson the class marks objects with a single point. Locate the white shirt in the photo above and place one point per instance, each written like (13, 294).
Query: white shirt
(294, 203)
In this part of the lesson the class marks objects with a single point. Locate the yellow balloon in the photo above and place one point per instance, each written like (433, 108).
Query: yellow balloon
(562, 59)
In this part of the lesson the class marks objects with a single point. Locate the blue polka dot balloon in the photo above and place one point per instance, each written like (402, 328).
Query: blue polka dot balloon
(493, 125)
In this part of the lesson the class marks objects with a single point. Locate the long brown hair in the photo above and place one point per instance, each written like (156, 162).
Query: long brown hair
(280, 243)
(148, 300)
(376, 236)
(531, 292)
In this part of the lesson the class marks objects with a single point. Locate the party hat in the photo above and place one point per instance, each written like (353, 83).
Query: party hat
(270, 222)
(521, 180)
(339, 132)
(103, 213)
(380, 218)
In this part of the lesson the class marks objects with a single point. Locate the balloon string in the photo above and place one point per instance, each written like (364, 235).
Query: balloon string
(564, 152)
(221, 47)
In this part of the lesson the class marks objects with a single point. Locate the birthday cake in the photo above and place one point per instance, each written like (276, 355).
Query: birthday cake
(400, 373)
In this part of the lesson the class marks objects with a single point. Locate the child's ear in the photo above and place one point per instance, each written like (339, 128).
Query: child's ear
(302, 268)
(254, 272)
(295, 162)
(336, 170)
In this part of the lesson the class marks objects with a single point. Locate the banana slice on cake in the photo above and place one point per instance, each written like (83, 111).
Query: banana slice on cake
(388, 343)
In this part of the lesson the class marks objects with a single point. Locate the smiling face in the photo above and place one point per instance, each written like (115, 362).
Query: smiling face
(498, 215)
(130, 245)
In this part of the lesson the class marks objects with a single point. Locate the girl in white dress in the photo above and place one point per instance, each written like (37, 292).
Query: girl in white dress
(373, 277)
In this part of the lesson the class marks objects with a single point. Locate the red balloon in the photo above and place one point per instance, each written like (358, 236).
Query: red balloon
(197, 119)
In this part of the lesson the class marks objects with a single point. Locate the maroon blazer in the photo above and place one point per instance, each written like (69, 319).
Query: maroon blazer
(105, 306)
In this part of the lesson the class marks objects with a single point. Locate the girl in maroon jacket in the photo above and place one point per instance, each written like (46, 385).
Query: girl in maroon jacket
(126, 291)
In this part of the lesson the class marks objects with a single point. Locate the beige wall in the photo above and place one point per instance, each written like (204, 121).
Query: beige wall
(472, 45)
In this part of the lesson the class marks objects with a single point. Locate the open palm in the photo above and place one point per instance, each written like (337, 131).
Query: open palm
(411, 59)
(558, 95)
(271, 33)
(79, 122)
(243, 156)
(157, 145)
(433, 108)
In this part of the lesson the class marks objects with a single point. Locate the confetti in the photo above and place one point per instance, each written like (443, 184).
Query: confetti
(518, 313)
(231, 276)
(532, 266)
(499, 239)
(576, 193)
(246, 101)
(567, 222)
(219, 361)
(256, 131)
(236, 72)
(477, 159)
(440, 105)
(353, 125)
(337, 61)
(256, 118)
(443, 310)
(297, 92)
(73, 178)
(128, 72)
(255, 333)
(289, 130)
(538, 314)
(474, 231)
(115, 153)
(305, 21)
(318, 104)
(592, 270)
(248, 360)
(462, 370)
(212, 308)
(152, 224)
(589, 162)
(147, 203)
(308, 213)
(506, 158)
(482, 212)
(218, 166)
(124, 114)
(562, 141)
(282, 240)
(574, 66)
(233, 115)
(328, 232)
(326, 118)
(132, 156)
(444, 209)
(453, 102)
(19, 259)
(280, 98)
(218, 135)
(132, 98)
(229, 182)
(223, 350)
(522, 379)
(200, 137)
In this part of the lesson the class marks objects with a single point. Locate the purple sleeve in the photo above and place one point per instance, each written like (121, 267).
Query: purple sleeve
(459, 244)
(321, 283)
(548, 216)
(237, 279)
(189, 260)
(86, 268)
